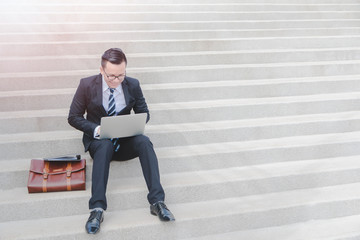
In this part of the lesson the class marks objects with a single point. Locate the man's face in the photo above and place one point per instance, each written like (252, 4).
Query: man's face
(114, 74)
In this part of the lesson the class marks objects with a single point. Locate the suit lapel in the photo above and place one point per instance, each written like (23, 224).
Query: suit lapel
(99, 94)
(128, 98)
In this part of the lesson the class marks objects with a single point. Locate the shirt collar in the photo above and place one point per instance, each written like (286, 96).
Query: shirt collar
(105, 87)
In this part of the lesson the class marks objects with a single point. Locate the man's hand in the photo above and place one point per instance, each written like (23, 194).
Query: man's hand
(97, 132)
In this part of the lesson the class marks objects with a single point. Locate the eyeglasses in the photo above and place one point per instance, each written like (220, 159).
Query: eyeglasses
(112, 77)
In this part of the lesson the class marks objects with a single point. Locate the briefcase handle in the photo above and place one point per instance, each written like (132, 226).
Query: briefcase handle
(64, 158)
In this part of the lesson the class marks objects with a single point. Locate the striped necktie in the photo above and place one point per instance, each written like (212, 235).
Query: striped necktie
(111, 112)
(112, 108)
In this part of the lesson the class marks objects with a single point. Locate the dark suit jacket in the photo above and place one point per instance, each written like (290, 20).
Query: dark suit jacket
(88, 98)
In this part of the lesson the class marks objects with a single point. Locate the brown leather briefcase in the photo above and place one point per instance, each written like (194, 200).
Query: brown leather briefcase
(53, 176)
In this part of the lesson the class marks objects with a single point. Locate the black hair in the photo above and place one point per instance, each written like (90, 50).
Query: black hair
(113, 55)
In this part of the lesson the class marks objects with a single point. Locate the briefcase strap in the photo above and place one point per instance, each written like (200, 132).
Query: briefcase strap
(68, 176)
(46, 175)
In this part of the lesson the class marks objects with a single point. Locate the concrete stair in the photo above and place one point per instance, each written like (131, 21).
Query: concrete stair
(254, 116)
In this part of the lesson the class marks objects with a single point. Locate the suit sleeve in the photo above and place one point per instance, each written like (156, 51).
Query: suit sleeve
(77, 110)
(140, 104)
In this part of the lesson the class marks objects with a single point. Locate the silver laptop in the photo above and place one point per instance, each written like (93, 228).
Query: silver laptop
(123, 125)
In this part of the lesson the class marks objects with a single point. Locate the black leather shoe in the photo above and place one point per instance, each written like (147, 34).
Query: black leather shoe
(160, 209)
(93, 223)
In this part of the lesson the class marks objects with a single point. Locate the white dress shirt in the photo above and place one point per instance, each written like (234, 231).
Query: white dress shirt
(118, 96)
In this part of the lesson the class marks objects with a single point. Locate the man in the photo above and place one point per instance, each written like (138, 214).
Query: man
(113, 93)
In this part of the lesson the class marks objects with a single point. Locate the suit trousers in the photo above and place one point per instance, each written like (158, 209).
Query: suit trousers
(102, 152)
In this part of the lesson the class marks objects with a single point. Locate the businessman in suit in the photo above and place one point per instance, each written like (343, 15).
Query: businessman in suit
(107, 94)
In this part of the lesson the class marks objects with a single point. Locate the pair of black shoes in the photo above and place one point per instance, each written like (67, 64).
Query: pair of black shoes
(97, 217)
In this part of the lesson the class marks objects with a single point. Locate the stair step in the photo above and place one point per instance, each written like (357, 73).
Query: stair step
(181, 134)
(156, 75)
(182, 92)
(196, 111)
(56, 16)
(174, 34)
(344, 228)
(175, 45)
(203, 218)
(34, 145)
(178, 7)
(66, 63)
(172, 2)
(158, 108)
(8, 27)
(246, 123)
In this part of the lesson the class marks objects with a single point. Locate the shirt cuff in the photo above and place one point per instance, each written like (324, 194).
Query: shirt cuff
(96, 136)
